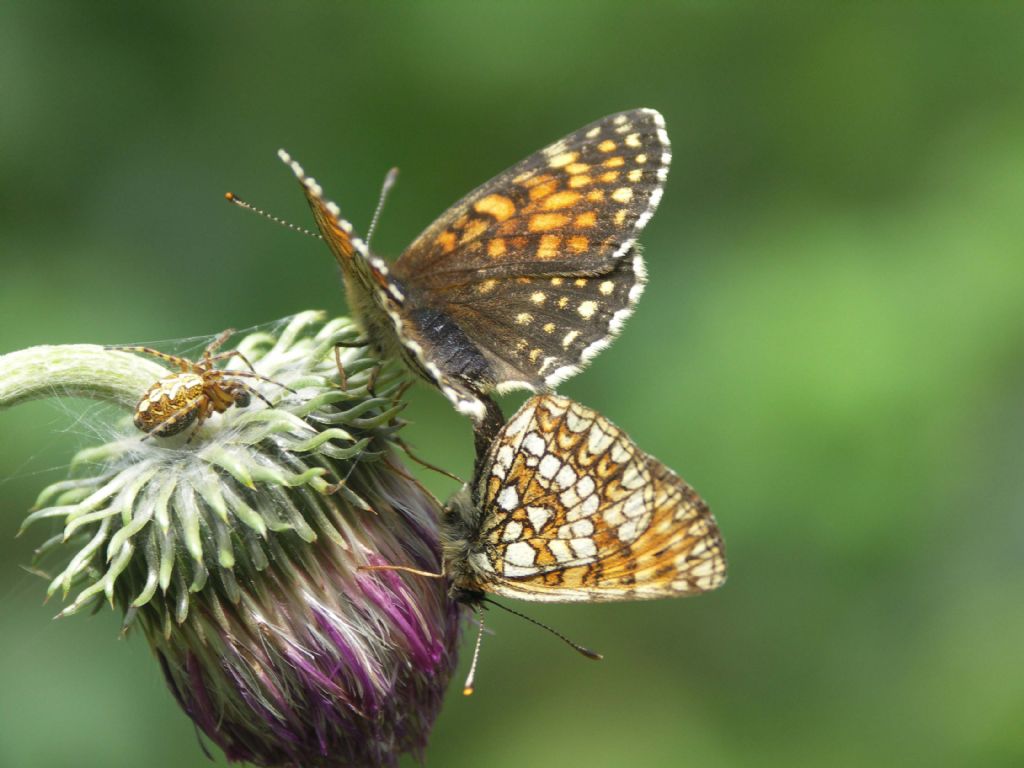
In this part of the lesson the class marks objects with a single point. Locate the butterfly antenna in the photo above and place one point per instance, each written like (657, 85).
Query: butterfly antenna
(389, 182)
(467, 688)
(574, 645)
(234, 199)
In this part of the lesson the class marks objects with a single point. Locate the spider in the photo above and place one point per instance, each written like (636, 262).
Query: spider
(191, 395)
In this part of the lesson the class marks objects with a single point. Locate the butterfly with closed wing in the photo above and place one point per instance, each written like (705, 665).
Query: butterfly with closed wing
(566, 508)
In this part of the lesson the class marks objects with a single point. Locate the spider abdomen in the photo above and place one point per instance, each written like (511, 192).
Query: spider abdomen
(171, 404)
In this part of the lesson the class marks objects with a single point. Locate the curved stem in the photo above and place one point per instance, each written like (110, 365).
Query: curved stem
(75, 370)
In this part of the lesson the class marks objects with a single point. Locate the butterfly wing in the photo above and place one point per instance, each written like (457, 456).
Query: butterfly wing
(572, 510)
(379, 304)
(539, 266)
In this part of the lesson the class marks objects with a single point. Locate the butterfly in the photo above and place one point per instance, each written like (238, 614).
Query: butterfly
(566, 508)
(525, 279)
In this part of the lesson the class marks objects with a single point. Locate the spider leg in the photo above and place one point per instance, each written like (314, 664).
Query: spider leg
(217, 343)
(181, 362)
(225, 373)
(238, 354)
(204, 414)
(353, 343)
(254, 391)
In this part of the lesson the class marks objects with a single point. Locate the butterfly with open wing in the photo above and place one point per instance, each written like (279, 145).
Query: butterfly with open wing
(523, 281)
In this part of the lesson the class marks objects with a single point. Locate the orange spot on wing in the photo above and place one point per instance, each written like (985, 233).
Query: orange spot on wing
(586, 220)
(578, 243)
(595, 195)
(496, 248)
(548, 247)
(447, 241)
(560, 200)
(498, 206)
(474, 229)
(613, 162)
(543, 190)
(609, 176)
(574, 168)
(542, 222)
(606, 146)
(579, 181)
(532, 181)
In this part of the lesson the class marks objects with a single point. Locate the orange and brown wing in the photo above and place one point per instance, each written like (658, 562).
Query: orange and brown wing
(572, 511)
(571, 208)
(539, 266)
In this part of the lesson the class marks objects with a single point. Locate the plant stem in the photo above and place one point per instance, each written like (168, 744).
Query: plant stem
(75, 370)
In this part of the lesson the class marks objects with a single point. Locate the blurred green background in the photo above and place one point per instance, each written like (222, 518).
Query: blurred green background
(829, 350)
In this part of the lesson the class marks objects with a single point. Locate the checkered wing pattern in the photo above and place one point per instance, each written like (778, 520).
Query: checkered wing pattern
(573, 510)
(539, 266)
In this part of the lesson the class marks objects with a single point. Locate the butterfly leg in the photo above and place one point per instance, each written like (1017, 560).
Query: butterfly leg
(352, 343)
(424, 463)
(371, 384)
(342, 378)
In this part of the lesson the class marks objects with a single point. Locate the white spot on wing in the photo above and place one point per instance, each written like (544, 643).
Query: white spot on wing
(565, 477)
(513, 531)
(560, 549)
(503, 461)
(534, 443)
(585, 486)
(520, 554)
(575, 422)
(582, 529)
(508, 499)
(548, 466)
(598, 441)
(584, 549)
(539, 517)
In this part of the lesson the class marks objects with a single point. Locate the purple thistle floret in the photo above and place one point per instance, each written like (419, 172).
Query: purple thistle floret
(238, 555)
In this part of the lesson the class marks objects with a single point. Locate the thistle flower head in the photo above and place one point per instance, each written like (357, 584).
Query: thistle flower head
(237, 553)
